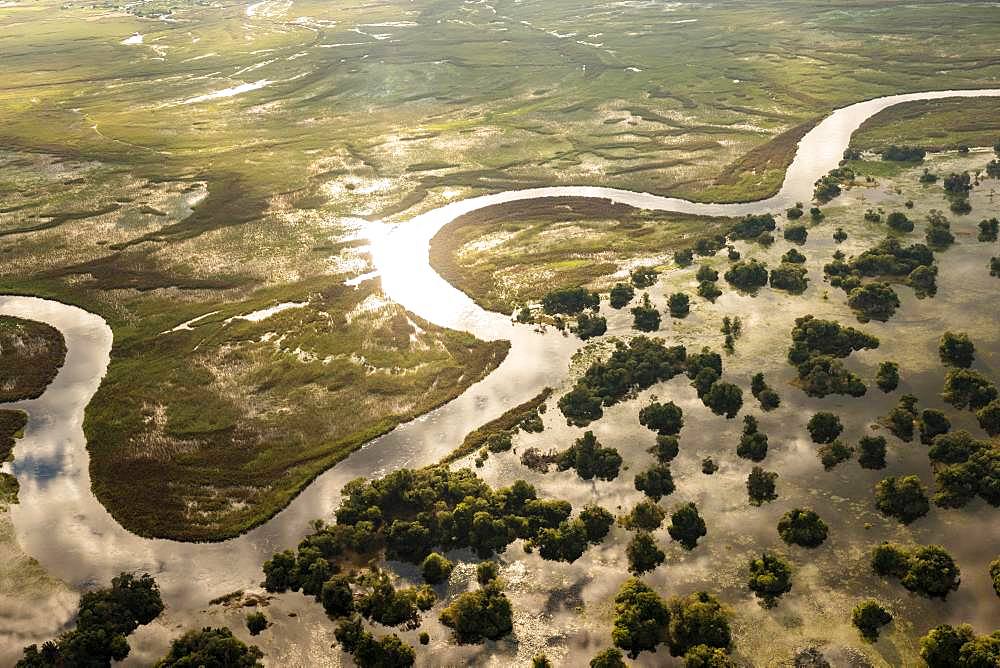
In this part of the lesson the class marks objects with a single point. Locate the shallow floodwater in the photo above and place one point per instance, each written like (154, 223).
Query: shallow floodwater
(59, 521)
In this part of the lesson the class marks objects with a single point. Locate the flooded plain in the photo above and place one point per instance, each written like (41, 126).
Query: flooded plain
(565, 609)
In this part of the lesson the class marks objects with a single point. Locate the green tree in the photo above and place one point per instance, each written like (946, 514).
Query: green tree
(747, 275)
(686, 525)
(435, 568)
(665, 449)
(761, 486)
(770, 577)
(873, 301)
(643, 553)
(211, 647)
(796, 233)
(655, 482)
(753, 444)
(596, 522)
(337, 597)
(706, 273)
(868, 616)
(645, 317)
(989, 417)
(887, 377)
(903, 498)
(709, 290)
(679, 305)
(957, 349)
(641, 618)
(824, 427)
(665, 419)
(697, 619)
(644, 277)
(621, 294)
(645, 516)
(590, 459)
(608, 658)
(724, 399)
(802, 526)
(932, 423)
(872, 452)
(964, 388)
(256, 622)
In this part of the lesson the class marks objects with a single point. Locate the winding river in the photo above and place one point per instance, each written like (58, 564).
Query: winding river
(59, 522)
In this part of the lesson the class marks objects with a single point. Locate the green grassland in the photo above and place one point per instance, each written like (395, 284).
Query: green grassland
(936, 125)
(31, 354)
(134, 185)
(511, 254)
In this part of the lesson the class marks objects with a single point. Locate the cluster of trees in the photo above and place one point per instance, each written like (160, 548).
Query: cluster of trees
(995, 266)
(707, 288)
(932, 423)
(828, 186)
(105, 618)
(834, 453)
(902, 417)
(590, 459)
(694, 626)
(964, 388)
(762, 392)
(927, 570)
(790, 277)
(369, 651)
(948, 646)
(665, 419)
(753, 226)
(753, 443)
(761, 486)
(802, 526)
(964, 468)
(957, 188)
(588, 326)
(869, 617)
(938, 234)
(770, 577)
(639, 365)
(747, 275)
(645, 316)
(732, 328)
(213, 647)
(887, 259)
(903, 498)
(409, 514)
(824, 428)
(484, 613)
(570, 301)
(816, 346)
(904, 153)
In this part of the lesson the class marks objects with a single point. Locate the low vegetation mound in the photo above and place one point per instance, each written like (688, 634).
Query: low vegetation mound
(31, 354)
